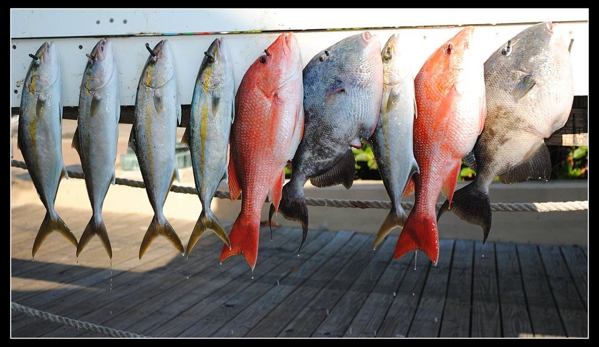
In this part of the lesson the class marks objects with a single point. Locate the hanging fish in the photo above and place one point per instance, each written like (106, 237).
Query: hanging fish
(450, 100)
(530, 91)
(96, 136)
(343, 87)
(392, 140)
(153, 137)
(268, 127)
(40, 137)
(207, 134)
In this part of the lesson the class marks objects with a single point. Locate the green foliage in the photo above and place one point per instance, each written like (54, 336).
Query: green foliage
(575, 165)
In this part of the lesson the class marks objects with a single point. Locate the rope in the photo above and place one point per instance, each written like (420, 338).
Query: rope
(407, 205)
(71, 322)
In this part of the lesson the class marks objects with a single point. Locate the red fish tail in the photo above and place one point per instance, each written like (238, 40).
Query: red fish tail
(419, 233)
(244, 238)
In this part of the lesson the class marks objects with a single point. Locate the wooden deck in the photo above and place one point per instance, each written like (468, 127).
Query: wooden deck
(336, 287)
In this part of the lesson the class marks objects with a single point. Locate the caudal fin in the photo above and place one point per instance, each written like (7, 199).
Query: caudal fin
(419, 233)
(293, 207)
(48, 226)
(207, 221)
(95, 228)
(395, 219)
(157, 229)
(244, 237)
(471, 205)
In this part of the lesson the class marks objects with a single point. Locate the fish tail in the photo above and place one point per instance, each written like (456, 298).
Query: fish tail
(395, 218)
(293, 207)
(471, 205)
(95, 227)
(49, 225)
(244, 237)
(207, 221)
(160, 229)
(419, 233)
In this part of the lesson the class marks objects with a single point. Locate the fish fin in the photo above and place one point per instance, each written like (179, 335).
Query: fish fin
(471, 205)
(234, 188)
(176, 176)
(158, 102)
(335, 87)
(40, 105)
(207, 221)
(537, 167)
(96, 105)
(356, 143)
(215, 104)
(342, 172)
(186, 136)
(395, 219)
(156, 229)
(419, 233)
(131, 143)
(75, 142)
(95, 228)
(293, 207)
(410, 187)
(470, 160)
(524, 86)
(276, 191)
(450, 183)
(48, 226)
(244, 236)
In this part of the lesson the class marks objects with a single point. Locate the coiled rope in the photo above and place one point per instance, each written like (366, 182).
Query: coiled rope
(407, 205)
(71, 322)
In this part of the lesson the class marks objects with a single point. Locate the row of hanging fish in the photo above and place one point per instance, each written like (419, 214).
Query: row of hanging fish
(491, 112)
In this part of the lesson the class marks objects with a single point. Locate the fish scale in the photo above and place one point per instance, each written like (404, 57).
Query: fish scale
(342, 99)
(207, 134)
(529, 92)
(450, 98)
(268, 126)
(153, 138)
(96, 135)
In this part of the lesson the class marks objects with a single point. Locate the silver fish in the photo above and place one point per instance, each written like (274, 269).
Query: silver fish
(207, 134)
(392, 142)
(40, 136)
(530, 91)
(343, 87)
(153, 137)
(96, 136)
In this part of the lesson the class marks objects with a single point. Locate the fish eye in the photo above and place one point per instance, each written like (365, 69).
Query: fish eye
(449, 48)
(210, 57)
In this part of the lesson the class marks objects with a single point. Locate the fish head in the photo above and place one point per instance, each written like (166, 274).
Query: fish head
(159, 68)
(279, 63)
(215, 70)
(346, 80)
(44, 70)
(396, 63)
(101, 66)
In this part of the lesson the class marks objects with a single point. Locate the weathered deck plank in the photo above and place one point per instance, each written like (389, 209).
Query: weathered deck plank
(337, 286)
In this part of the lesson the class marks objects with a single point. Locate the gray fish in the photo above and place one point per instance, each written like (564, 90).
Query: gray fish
(153, 137)
(96, 136)
(392, 142)
(530, 91)
(342, 99)
(207, 135)
(40, 136)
